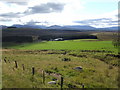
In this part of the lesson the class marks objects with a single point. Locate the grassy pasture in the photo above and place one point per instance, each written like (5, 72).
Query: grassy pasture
(79, 44)
(95, 73)
(100, 69)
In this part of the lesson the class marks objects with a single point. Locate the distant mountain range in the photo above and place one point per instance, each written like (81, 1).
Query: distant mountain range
(57, 27)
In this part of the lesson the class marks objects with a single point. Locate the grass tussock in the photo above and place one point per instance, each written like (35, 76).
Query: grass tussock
(96, 72)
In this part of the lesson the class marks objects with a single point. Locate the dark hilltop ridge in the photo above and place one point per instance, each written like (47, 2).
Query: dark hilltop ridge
(57, 27)
(31, 33)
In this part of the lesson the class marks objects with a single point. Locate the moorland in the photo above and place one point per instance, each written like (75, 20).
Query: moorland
(32, 58)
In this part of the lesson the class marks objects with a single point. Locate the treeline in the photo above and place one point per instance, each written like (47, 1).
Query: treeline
(22, 39)
(19, 39)
(31, 35)
(67, 37)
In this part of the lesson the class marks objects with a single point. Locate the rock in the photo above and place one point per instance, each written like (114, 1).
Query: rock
(52, 82)
(78, 68)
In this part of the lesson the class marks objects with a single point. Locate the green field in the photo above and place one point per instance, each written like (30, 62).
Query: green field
(80, 44)
(100, 69)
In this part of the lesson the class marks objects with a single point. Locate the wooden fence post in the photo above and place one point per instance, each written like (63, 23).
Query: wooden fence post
(16, 65)
(5, 61)
(23, 67)
(43, 77)
(33, 70)
(82, 86)
(61, 83)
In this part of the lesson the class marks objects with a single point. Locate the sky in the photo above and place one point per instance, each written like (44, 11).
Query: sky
(95, 13)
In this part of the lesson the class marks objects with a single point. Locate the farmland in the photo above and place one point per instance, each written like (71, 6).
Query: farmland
(99, 69)
(98, 59)
(80, 44)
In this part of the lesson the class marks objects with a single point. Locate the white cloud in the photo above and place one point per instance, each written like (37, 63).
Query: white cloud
(72, 11)
(108, 19)
(102, 1)
(6, 8)
(15, 0)
(71, 6)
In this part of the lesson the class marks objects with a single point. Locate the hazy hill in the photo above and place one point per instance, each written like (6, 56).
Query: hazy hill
(66, 27)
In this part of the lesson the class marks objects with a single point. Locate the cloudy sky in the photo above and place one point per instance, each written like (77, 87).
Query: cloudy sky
(96, 13)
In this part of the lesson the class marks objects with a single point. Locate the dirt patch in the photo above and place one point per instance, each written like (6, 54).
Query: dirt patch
(6, 50)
